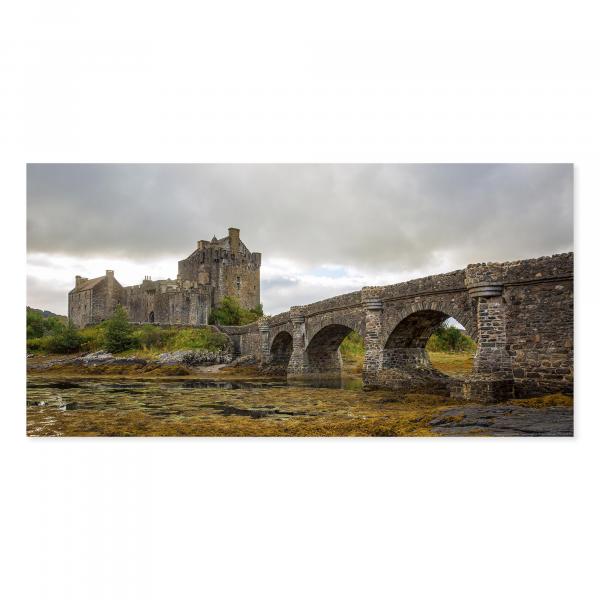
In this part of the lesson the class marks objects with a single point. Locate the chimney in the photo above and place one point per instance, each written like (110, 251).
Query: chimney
(110, 274)
(79, 280)
(234, 240)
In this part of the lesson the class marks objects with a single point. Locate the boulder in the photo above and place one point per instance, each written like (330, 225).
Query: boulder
(194, 358)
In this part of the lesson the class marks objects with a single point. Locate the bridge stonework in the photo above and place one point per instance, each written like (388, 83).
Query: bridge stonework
(520, 315)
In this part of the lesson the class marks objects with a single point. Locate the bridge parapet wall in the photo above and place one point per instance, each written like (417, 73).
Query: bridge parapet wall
(432, 284)
(341, 302)
(246, 338)
(278, 320)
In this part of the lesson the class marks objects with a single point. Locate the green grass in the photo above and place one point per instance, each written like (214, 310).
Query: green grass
(352, 349)
(147, 340)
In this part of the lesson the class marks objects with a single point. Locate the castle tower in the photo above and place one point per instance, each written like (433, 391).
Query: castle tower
(227, 267)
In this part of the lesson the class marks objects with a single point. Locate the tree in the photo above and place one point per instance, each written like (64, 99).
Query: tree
(448, 338)
(38, 325)
(65, 341)
(119, 331)
(35, 324)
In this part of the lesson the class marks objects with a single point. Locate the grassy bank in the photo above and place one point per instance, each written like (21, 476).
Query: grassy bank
(146, 341)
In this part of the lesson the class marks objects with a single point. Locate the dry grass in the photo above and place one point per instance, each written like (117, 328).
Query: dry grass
(545, 401)
(452, 363)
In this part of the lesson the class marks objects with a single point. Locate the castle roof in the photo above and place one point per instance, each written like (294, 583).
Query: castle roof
(225, 243)
(90, 283)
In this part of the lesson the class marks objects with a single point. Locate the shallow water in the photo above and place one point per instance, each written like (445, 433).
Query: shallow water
(73, 407)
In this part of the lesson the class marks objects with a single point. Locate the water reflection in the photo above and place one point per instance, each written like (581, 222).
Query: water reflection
(342, 383)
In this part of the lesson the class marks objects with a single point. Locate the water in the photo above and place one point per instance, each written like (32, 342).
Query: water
(73, 407)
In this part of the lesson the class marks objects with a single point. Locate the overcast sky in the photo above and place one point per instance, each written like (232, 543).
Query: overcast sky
(322, 229)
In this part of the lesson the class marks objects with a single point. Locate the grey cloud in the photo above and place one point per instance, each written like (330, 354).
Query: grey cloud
(371, 217)
(46, 295)
(279, 283)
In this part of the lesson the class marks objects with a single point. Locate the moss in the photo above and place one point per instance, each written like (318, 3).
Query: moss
(545, 401)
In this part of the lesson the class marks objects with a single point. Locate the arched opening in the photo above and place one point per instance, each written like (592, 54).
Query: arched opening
(335, 351)
(281, 349)
(451, 349)
(151, 317)
(429, 340)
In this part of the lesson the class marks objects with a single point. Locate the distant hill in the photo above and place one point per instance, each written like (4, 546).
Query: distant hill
(47, 313)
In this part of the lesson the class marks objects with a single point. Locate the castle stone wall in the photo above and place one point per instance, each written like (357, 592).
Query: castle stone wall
(214, 270)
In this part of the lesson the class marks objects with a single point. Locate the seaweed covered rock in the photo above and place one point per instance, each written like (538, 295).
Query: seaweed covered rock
(194, 358)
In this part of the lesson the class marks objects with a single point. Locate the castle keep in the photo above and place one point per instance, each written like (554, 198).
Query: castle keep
(219, 268)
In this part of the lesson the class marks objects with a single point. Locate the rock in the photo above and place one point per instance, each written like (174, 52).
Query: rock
(194, 358)
(129, 360)
(275, 370)
(505, 420)
(100, 357)
(245, 360)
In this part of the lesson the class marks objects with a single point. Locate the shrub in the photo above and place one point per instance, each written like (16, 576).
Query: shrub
(199, 339)
(34, 344)
(118, 334)
(229, 312)
(94, 337)
(152, 336)
(65, 341)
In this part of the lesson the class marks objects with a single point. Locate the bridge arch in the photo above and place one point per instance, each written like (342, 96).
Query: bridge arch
(405, 340)
(323, 355)
(281, 348)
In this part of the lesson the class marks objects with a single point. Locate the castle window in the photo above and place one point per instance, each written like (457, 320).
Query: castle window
(238, 282)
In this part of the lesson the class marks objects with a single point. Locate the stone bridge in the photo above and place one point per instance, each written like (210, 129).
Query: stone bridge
(519, 313)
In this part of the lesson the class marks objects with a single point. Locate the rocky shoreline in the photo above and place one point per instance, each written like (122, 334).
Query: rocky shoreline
(178, 363)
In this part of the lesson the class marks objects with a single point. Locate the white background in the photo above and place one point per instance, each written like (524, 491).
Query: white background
(298, 82)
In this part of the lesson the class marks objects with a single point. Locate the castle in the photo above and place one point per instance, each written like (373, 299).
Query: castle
(219, 268)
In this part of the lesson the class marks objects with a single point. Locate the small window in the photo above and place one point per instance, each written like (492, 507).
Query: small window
(238, 282)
